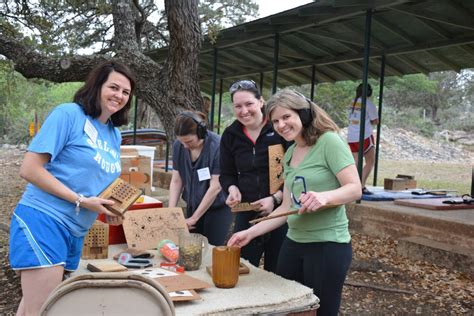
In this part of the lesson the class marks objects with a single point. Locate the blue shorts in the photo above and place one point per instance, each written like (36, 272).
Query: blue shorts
(39, 241)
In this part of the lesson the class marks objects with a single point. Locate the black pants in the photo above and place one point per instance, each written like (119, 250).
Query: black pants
(268, 244)
(215, 225)
(321, 266)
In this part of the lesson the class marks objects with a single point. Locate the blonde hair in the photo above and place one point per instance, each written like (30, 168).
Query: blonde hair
(295, 101)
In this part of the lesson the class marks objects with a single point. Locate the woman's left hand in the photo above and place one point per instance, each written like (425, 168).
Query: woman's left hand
(312, 201)
(114, 220)
(191, 222)
(266, 205)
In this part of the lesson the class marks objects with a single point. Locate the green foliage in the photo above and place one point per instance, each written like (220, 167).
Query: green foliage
(60, 26)
(216, 15)
(20, 99)
(410, 119)
(336, 98)
(63, 27)
(417, 83)
(423, 104)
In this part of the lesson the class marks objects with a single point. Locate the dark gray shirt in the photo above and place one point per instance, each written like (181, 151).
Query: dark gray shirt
(194, 189)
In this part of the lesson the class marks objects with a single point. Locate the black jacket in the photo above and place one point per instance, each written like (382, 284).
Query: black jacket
(244, 164)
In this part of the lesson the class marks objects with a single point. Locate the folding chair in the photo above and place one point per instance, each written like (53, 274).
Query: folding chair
(108, 294)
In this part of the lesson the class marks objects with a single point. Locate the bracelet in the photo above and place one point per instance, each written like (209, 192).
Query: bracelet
(78, 202)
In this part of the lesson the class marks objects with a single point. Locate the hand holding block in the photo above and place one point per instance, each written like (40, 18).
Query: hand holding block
(123, 194)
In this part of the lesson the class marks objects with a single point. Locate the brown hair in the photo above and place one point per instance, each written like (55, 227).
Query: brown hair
(88, 96)
(187, 122)
(359, 94)
(295, 101)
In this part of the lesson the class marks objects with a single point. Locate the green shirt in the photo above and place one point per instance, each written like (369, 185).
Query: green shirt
(322, 162)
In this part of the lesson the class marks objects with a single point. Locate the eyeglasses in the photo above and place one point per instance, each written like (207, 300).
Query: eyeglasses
(298, 181)
(242, 84)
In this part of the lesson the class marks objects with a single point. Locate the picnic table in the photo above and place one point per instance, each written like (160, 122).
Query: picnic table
(258, 292)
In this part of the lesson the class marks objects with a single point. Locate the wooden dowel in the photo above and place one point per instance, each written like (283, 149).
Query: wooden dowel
(261, 219)
(258, 220)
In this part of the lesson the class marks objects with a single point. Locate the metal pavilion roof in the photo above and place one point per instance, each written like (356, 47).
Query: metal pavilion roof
(416, 36)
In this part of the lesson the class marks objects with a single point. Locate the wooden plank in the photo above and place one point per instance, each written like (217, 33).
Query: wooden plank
(105, 266)
(434, 204)
(184, 295)
(244, 207)
(275, 165)
(144, 229)
(243, 269)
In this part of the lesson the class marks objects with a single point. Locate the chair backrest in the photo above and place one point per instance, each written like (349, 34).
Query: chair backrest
(108, 294)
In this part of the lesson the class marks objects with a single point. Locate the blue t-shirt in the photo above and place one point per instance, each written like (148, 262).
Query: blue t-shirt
(85, 156)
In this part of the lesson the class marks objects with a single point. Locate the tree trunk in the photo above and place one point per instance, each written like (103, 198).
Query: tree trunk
(181, 87)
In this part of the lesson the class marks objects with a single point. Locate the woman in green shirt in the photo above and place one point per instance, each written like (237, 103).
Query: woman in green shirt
(320, 177)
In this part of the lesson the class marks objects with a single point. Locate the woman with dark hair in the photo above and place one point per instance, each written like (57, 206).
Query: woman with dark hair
(353, 132)
(73, 158)
(320, 177)
(196, 178)
(245, 169)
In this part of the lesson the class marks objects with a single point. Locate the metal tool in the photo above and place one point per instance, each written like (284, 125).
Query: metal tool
(432, 192)
(128, 261)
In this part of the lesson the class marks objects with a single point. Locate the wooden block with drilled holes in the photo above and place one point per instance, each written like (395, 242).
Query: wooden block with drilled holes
(96, 242)
(123, 194)
(275, 167)
(244, 207)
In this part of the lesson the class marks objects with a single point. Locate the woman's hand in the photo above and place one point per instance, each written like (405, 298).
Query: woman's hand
(312, 201)
(191, 222)
(114, 220)
(240, 239)
(234, 197)
(96, 204)
(265, 205)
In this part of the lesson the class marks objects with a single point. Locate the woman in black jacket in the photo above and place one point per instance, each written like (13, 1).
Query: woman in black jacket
(245, 169)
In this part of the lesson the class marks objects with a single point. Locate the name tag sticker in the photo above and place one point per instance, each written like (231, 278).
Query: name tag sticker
(204, 174)
(90, 130)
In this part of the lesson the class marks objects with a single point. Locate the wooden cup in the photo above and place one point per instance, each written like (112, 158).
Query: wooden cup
(225, 266)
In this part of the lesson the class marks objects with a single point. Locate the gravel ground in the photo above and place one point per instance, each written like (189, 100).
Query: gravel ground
(380, 281)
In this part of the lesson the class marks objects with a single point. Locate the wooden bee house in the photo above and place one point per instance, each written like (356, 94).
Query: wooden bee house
(96, 242)
(123, 194)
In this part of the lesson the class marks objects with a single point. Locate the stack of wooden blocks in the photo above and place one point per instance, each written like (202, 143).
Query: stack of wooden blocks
(96, 242)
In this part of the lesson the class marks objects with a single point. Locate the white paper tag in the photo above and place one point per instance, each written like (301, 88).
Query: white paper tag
(204, 174)
(90, 130)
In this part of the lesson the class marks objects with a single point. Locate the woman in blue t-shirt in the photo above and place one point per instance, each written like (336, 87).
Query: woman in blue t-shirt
(320, 177)
(74, 157)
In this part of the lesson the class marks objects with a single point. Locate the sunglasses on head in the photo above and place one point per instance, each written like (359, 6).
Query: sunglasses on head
(242, 85)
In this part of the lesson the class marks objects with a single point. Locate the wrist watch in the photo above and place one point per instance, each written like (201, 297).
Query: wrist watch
(275, 200)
